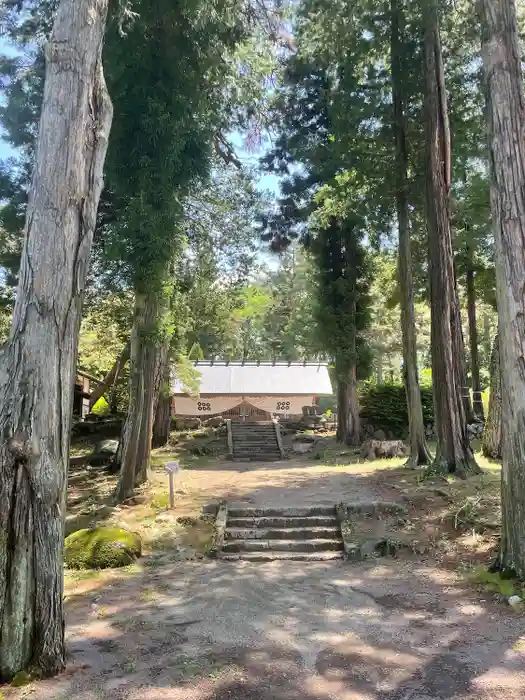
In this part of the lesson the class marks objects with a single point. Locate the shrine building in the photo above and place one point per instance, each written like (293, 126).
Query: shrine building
(254, 391)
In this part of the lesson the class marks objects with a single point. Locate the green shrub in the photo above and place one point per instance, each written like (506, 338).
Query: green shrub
(485, 397)
(384, 406)
(101, 548)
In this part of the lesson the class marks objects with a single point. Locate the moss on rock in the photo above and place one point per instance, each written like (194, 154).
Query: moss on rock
(101, 548)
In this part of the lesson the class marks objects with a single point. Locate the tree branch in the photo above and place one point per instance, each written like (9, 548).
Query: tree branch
(225, 150)
(111, 377)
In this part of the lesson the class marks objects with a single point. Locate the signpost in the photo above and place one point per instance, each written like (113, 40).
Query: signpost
(172, 468)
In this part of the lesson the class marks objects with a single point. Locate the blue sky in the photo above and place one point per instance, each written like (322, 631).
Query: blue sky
(5, 150)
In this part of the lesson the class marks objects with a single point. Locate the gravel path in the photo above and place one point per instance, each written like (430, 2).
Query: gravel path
(290, 631)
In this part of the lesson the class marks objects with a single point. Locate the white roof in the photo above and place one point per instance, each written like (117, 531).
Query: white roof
(252, 378)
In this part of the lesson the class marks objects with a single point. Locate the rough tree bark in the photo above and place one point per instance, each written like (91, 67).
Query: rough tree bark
(162, 423)
(506, 129)
(477, 401)
(348, 420)
(453, 452)
(491, 441)
(111, 377)
(155, 359)
(38, 364)
(147, 357)
(133, 434)
(460, 355)
(419, 453)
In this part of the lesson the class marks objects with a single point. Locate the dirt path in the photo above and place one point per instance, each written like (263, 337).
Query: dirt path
(286, 631)
(296, 482)
(384, 630)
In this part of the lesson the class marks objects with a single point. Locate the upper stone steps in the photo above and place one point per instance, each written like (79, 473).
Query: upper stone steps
(255, 441)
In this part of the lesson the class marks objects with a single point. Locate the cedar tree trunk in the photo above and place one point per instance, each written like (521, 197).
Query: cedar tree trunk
(473, 337)
(419, 453)
(38, 364)
(348, 420)
(506, 129)
(453, 450)
(162, 423)
(147, 356)
(491, 442)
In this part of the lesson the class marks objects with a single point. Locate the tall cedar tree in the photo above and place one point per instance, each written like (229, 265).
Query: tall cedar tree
(470, 276)
(342, 281)
(419, 453)
(491, 443)
(338, 256)
(38, 365)
(161, 144)
(506, 128)
(453, 449)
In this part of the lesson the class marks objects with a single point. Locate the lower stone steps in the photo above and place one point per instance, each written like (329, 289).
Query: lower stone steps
(277, 545)
(284, 512)
(286, 533)
(280, 556)
(261, 534)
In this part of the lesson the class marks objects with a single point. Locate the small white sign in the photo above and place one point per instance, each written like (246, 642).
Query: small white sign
(172, 467)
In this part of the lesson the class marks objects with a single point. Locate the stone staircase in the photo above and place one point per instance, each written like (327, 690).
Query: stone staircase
(254, 441)
(264, 534)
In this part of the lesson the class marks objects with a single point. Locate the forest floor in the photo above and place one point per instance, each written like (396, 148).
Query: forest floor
(429, 624)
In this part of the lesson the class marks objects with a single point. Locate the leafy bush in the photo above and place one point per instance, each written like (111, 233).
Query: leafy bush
(384, 407)
(485, 397)
(101, 548)
(101, 408)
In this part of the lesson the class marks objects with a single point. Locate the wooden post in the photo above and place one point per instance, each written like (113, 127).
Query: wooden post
(172, 468)
(278, 436)
(230, 437)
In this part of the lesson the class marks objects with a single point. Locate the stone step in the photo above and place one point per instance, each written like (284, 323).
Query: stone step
(318, 545)
(254, 453)
(255, 445)
(255, 438)
(280, 556)
(284, 522)
(248, 430)
(256, 450)
(292, 533)
(257, 455)
(256, 458)
(266, 429)
(286, 512)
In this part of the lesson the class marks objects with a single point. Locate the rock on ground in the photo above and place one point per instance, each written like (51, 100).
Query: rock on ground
(104, 452)
(378, 449)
